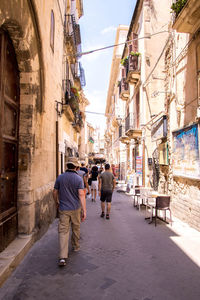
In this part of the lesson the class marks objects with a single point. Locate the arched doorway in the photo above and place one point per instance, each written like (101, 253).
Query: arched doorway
(9, 120)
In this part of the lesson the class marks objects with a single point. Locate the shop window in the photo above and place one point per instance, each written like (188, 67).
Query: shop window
(52, 32)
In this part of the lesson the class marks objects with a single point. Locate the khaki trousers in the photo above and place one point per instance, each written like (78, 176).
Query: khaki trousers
(67, 219)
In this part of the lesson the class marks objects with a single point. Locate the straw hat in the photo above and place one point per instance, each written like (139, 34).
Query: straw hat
(74, 161)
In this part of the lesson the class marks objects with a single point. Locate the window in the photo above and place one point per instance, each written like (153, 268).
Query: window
(52, 31)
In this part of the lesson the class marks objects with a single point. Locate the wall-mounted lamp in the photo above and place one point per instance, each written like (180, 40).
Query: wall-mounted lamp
(59, 108)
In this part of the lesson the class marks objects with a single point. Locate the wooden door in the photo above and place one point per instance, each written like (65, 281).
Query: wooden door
(9, 117)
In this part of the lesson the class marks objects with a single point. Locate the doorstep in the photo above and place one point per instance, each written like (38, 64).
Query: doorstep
(13, 255)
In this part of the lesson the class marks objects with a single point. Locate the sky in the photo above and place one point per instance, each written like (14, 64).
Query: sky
(98, 29)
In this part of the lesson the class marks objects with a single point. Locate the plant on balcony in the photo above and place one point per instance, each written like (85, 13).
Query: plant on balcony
(74, 91)
(177, 6)
(124, 61)
(72, 99)
(135, 53)
(78, 119)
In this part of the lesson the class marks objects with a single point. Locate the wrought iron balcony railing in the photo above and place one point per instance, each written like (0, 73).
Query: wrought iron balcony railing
(129, 122)
(122, 136)
(131, 128)
(72, 32)
(121, 131)
(78, 122)
(124, 89)
(78, 74)
(133, 69)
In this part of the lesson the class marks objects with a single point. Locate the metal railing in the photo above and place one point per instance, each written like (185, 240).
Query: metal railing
(72, 29)
(133, 64)
(67, 90)
(78, 72)
(130, 122)
(123, 86)
(121, 130)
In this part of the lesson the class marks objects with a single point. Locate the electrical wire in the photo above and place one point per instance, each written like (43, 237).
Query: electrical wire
(115, 45)
(96, 113)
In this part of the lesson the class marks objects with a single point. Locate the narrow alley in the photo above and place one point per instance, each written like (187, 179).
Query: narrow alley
(121, 258)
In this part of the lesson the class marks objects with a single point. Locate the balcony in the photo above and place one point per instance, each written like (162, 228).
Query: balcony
(124, 89)
(133, 69)
(68, 112)
(122, 137)
(78, 122)
(72, 34)
(131, 129)
(79, 75)
(71, 101)
(187, 19)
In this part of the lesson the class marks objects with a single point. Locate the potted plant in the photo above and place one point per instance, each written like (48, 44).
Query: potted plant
(177, 6)
(135, 53)
(124, 61)
(74, 91)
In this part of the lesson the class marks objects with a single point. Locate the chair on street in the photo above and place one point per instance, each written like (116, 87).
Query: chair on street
(160, 203)
(145, 192)
(136, 196)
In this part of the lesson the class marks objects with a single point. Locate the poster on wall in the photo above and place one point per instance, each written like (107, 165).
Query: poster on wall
(139, 165)
(185, 158)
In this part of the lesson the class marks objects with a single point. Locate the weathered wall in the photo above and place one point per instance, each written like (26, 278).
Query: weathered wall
(186, 201)
(181, 106)
(28, 24)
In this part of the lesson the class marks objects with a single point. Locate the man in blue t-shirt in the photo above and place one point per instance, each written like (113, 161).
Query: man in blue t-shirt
(69, 196)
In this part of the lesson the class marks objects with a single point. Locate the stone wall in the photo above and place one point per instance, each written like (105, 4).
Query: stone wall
(186, 201)
(185, 192)
(28, 23)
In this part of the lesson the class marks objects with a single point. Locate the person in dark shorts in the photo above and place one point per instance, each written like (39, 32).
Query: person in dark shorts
(107, 184)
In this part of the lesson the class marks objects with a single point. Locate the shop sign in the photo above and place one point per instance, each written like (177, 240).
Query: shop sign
(139, 165)
(185, 158)
(159, 129)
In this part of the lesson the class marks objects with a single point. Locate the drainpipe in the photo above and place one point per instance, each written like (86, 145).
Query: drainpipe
(143, 163)
(57, 168)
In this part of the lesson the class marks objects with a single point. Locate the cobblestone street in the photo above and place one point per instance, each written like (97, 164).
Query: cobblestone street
(120, 258)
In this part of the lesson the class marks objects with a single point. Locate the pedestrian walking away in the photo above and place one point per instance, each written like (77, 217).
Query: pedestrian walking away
(107, 185)
(84, 176)
(69, 196)
(94, 182)
(83, 168)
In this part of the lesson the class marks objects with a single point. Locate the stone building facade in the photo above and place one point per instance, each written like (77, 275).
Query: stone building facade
(32, 55)
(160, 85)
(115, 110)
(182, 66)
